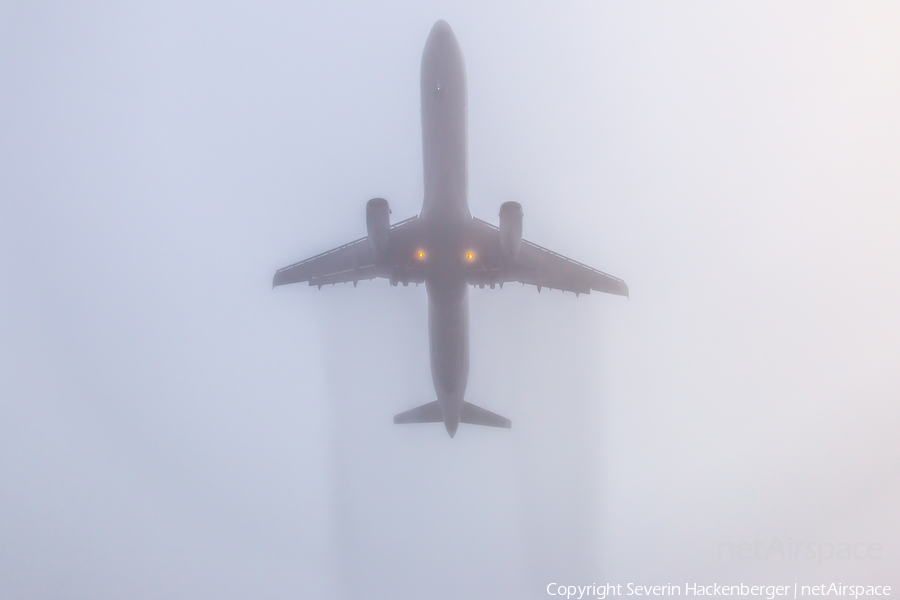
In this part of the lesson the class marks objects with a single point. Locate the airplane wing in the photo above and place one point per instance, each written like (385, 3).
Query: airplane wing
(534, 265)
(355, 262)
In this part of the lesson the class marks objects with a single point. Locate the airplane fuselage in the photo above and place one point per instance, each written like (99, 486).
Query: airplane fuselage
(445, 214)
(445, 248)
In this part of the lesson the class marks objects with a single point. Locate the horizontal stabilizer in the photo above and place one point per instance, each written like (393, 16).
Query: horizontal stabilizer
(427, 413)
(475, 415)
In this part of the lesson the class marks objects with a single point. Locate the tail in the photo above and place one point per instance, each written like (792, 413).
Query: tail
(427, 413)
(475, 415)
(469, 413)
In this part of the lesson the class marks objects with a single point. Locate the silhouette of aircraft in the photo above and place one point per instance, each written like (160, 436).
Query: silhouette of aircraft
(445, 247)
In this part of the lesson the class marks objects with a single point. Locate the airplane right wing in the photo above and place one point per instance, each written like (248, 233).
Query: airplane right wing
(356, 261)
(534, 265)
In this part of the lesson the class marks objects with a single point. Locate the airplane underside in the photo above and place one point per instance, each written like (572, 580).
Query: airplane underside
(445, 248)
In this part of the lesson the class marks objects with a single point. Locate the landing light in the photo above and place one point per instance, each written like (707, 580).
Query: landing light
(421, 254)
(470, 256)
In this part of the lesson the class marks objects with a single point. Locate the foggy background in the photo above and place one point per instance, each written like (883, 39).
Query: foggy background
(170, 427)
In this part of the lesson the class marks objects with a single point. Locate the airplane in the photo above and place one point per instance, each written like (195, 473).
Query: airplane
(445, 247)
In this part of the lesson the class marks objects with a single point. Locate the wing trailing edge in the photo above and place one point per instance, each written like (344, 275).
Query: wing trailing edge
(356, 261)
(534, 265)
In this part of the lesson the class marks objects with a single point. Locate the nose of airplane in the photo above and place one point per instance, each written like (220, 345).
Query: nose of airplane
(441, 30)
(441, 40)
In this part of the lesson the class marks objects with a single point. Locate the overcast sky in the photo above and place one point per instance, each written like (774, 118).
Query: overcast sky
(170, 427)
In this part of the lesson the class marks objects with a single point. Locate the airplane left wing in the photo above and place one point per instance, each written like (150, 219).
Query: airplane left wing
(534, 265)
(356, 261)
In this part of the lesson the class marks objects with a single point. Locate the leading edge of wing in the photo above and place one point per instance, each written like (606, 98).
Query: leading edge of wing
(552, 270)
(602, 282)
(308, 269)
(353, 261)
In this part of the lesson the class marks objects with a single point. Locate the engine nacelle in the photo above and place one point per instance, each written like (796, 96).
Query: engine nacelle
(378, 225)
(510, 230)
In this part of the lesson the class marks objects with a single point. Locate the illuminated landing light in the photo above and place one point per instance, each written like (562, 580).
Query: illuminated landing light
(421, 255)
(470, 256)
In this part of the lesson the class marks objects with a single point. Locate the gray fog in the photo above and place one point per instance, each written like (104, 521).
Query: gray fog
(171, 427)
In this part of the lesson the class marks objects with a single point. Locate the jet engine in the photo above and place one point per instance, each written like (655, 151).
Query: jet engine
(378, 225)
(510, 230)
